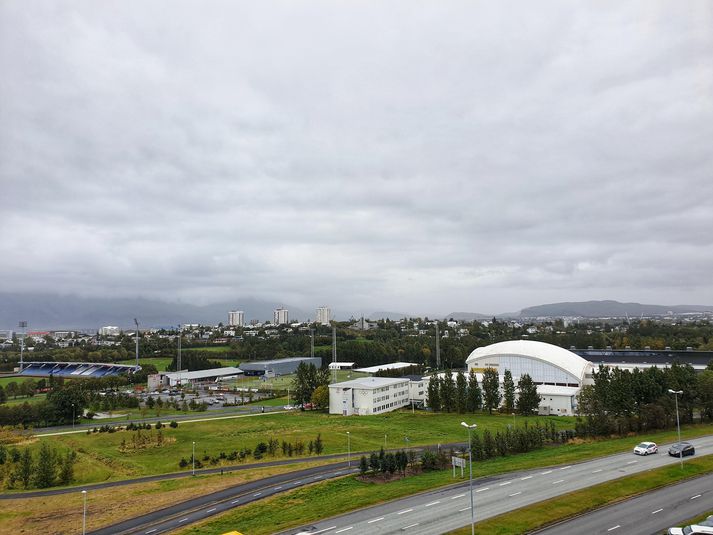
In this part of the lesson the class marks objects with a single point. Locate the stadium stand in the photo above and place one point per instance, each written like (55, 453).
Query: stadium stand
(77, 370)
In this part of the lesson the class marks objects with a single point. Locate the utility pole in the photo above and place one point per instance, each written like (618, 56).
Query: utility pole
(137, 342)
(178, 359)
(311, 342)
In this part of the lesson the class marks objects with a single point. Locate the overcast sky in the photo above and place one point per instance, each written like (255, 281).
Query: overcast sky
(416, 157)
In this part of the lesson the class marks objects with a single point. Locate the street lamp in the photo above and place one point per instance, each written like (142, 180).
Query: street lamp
(194, 458)
(470, 461)
(137, 342)
(84, 514)
(73, 416)
(678, 424)
(349, 449)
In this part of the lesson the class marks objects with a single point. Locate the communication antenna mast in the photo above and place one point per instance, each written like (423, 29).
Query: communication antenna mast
(438, 348)
(23, 326)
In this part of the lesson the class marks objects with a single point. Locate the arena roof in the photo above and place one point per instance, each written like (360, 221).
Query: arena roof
(554, 355)
(203, 374)
(392, 366)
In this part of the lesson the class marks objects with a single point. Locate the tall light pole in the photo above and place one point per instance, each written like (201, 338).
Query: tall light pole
(137, 342)
(84, 514)
(470, 461)
(194, 458)
(678, 424)
(349, 449)
(23, 326)
(73, 416)
(178, 359)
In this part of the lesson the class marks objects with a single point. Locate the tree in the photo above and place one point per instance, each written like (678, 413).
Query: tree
(45, 469)
(475, 397)
(320, 397)
(318, 445)
(491, 389)
(25, 467)
(434, 394)
(363, 465)
(509, 391)
(12, 389)
(528, 399)
(461, 392)
(3, 395)
(448, 392)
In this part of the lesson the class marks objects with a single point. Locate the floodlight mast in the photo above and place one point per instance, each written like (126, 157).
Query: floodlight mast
(137, 342)
(23, 326)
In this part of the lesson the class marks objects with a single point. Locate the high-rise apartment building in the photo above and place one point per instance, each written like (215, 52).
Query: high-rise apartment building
(324, 315)
(280, 316)
(236, 318)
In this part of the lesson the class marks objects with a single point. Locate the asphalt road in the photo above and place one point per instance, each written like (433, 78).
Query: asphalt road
(447, 509)
(648, 514)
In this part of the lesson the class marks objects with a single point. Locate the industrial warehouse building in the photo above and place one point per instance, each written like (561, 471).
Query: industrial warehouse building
(368, 395)
(159, 380)
(558, 373)
(273, 368)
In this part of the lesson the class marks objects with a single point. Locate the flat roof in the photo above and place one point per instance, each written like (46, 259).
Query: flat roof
(338, 364)
(276, 361)
(370, 382)
(392, 366)
(552, 390)
(202, 374)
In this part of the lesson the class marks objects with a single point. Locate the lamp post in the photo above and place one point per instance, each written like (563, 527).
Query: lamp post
(678, 424)
(23, 326)
(470, 462)
(349, 449)
(194, 458)
(73, 416)
(137, 342)
(384, 440)
(84, 514)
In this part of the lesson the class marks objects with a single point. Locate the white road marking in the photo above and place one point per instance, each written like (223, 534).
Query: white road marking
(182, 520)
(317, 477)
(656, 511)
(210, 510)
(597, 471)
(432, 503)
(345, 529)
(235, 501)
(404, 511)
(257, 494)
(278, 488)
(524, 478)
(338, 473)
(323, 530)
(565, 467)
(375, 520)
(297, 483)
(615, 527)
(506, 483)
(696, 496)
(484, 488)
(151, 530)
(409, 526)
(545, 473)
(558, 481)
(632, 462)
(464, 509)
(515, 494)
(458, 496)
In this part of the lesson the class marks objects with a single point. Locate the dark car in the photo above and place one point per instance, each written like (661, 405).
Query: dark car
(681, 450)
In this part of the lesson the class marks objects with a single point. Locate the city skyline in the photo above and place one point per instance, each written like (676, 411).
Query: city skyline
(432, 158)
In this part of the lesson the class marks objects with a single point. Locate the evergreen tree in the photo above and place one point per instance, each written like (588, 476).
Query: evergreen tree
(488, 444)
(46, 467)
(528, 400)
(461, 392)
(475, 397)
(491, 389)
(3, 395)
(363, 465)
(448, 392)
(24, 468)
(434, 393)
(66, 471)
(318, 445)
(509, 392)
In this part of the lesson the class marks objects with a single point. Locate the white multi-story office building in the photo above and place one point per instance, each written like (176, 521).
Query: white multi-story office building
(236, 318)
(280, 316)
(368, 395)
(324, 315)
(110, 330)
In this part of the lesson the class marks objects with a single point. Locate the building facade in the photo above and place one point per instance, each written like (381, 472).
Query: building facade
(280, 316)
(368, 395)
(236, 318)
(324, 315)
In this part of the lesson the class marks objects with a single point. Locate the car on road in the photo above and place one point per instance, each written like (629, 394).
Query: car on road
(684, 449)
(646, 448)
(693, 529)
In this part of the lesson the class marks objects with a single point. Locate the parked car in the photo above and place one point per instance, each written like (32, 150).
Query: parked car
(693, 529)
(646, 448)
(684, 449)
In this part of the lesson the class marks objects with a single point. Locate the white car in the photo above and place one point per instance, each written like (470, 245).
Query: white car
(646, 448)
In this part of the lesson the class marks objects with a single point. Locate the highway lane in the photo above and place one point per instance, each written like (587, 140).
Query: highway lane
(648, 514)
(447, 509)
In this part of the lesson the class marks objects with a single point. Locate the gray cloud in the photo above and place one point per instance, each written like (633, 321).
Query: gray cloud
(411, 156)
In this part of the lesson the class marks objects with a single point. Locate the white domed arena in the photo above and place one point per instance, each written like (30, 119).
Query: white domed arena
(558, 373)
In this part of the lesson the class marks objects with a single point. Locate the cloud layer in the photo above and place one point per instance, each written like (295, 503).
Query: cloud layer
(424, 157)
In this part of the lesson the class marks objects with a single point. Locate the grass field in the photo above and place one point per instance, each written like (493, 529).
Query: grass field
(100, 457)
(306, 505)
(210, 349)
(161, 363)
(5, 380)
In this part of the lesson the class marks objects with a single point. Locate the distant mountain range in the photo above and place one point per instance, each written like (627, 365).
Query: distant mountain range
(601, 309)
(50, 311)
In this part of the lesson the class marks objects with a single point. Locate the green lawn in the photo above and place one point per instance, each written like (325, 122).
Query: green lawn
(161, 363)
(306, 505)
(210, 349)
(5, 380)
(100, 458)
